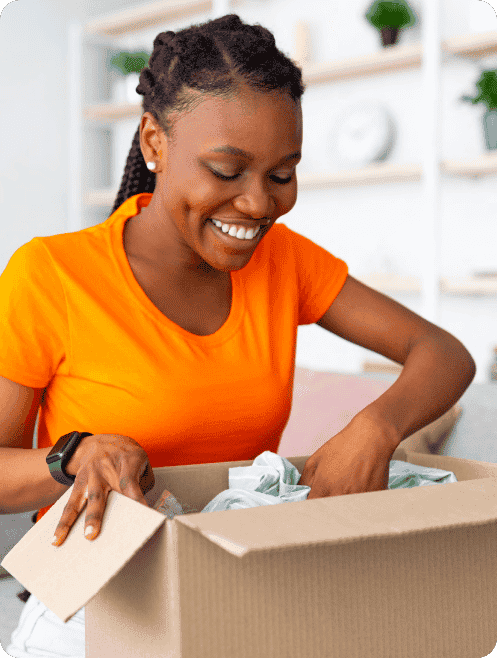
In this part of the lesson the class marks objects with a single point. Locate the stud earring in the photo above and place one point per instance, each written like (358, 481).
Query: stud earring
(151, 165)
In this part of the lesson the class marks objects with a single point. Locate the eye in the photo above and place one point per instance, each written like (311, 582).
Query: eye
(281, 181)
(275, 179)
(222, 176)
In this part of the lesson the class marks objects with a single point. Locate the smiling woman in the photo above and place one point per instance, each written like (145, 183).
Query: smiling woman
(229, 159)
(224, 134)
(167, 334)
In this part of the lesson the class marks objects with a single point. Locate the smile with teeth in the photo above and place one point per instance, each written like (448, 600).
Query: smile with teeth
(239, 232)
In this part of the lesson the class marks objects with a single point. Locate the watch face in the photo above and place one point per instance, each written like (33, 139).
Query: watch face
(55, 452)
(364, 134)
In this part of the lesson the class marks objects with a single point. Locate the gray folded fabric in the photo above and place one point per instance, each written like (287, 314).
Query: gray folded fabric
(403, 475)
(272, 480)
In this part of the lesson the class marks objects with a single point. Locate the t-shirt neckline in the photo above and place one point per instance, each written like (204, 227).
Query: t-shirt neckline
(129, 209)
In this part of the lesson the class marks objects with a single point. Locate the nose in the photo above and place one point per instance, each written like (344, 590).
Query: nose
(255, 200)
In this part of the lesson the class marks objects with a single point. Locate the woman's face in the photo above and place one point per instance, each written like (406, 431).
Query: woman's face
(228, 166)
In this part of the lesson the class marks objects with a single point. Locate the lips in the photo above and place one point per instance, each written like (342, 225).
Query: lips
(231, 237)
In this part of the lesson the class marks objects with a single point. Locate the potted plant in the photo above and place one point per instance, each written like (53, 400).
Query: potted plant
(389, 17)
(129, 65)
(487, 84)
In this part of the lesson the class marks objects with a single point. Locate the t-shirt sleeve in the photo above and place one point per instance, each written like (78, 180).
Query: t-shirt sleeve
(33, 317)
(321, 277)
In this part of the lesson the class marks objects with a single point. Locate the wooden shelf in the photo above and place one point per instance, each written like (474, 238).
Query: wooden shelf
(392, 282)
(472, 45)
(101, 198)
(477, 286)
(112, 111)
(145, 16)
(396, 58)
(374, 174)
(467, 286)
(483, 165)
(388, 367)
(382, 61)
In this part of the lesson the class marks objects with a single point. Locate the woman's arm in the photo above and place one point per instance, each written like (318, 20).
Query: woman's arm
(437, 370)
(25, 482)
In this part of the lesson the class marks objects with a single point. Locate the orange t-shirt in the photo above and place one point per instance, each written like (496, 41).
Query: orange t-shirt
(75, 320)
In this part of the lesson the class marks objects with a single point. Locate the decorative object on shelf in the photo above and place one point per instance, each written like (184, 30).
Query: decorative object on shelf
(389, 18)
(302, 38)
(365, 133)
(129, 65)
(487, 84)
(493, 366)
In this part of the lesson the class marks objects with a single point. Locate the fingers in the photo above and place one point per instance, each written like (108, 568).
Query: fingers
(72, 510)
(130, 488)
(106, 463)
(97, 500)
(147, 479)
(95, 496)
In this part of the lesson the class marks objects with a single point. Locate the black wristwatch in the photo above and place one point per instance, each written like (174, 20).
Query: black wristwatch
(61, 453)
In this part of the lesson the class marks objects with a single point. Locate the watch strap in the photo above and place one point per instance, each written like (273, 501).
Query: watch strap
(57, 466)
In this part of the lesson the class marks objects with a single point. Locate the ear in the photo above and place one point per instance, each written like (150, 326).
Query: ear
(152, 141)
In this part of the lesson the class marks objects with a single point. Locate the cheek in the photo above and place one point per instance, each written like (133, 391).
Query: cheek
(287, 199)
(204, 195)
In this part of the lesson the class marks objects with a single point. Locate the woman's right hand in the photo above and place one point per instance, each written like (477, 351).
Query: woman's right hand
(102, 463)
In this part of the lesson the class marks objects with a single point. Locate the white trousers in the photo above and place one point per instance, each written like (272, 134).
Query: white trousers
(41, 634)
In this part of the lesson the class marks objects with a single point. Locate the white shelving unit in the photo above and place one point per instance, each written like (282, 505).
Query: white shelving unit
(428, 55)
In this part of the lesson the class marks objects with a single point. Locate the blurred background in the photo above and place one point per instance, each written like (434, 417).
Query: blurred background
(398, 175)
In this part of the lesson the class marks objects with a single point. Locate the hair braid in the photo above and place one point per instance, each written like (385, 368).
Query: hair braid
(136, 175)
(214, 57)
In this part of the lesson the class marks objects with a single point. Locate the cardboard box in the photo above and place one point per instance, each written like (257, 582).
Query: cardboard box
(390, 574)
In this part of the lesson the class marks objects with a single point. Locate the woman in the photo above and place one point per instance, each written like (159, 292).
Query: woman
(168, 332)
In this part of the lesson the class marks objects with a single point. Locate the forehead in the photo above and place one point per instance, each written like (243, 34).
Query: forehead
(264, 124)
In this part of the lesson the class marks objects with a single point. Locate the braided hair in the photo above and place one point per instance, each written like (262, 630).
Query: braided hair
(213, 57)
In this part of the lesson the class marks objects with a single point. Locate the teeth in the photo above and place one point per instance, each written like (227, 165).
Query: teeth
(236, 232)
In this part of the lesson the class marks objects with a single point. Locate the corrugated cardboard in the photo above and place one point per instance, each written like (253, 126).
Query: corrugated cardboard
(390, 574)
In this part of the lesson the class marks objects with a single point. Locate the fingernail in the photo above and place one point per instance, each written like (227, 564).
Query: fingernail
(89, 531)
(54, 540)
(86, 493)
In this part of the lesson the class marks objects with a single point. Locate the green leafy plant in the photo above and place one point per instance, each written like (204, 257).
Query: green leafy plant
(390, 14)
(487, 85)
(128, 63)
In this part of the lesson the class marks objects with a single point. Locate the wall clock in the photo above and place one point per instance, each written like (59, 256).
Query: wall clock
(365, 133)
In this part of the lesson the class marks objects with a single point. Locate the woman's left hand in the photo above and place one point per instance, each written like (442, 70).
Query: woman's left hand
(355, 460)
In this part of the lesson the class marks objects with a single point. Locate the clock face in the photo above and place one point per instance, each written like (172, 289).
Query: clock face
(363, 135)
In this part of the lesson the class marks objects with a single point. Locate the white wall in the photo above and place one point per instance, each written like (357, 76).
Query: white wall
(34, 116)
(374, 228)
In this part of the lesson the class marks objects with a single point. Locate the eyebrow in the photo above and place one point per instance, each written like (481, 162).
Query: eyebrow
(232, 150)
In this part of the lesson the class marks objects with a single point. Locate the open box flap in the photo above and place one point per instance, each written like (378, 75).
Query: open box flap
(353, 517)
(65, 578)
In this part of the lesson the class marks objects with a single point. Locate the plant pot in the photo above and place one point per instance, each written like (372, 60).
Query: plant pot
(389, 36)
(490, 127)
